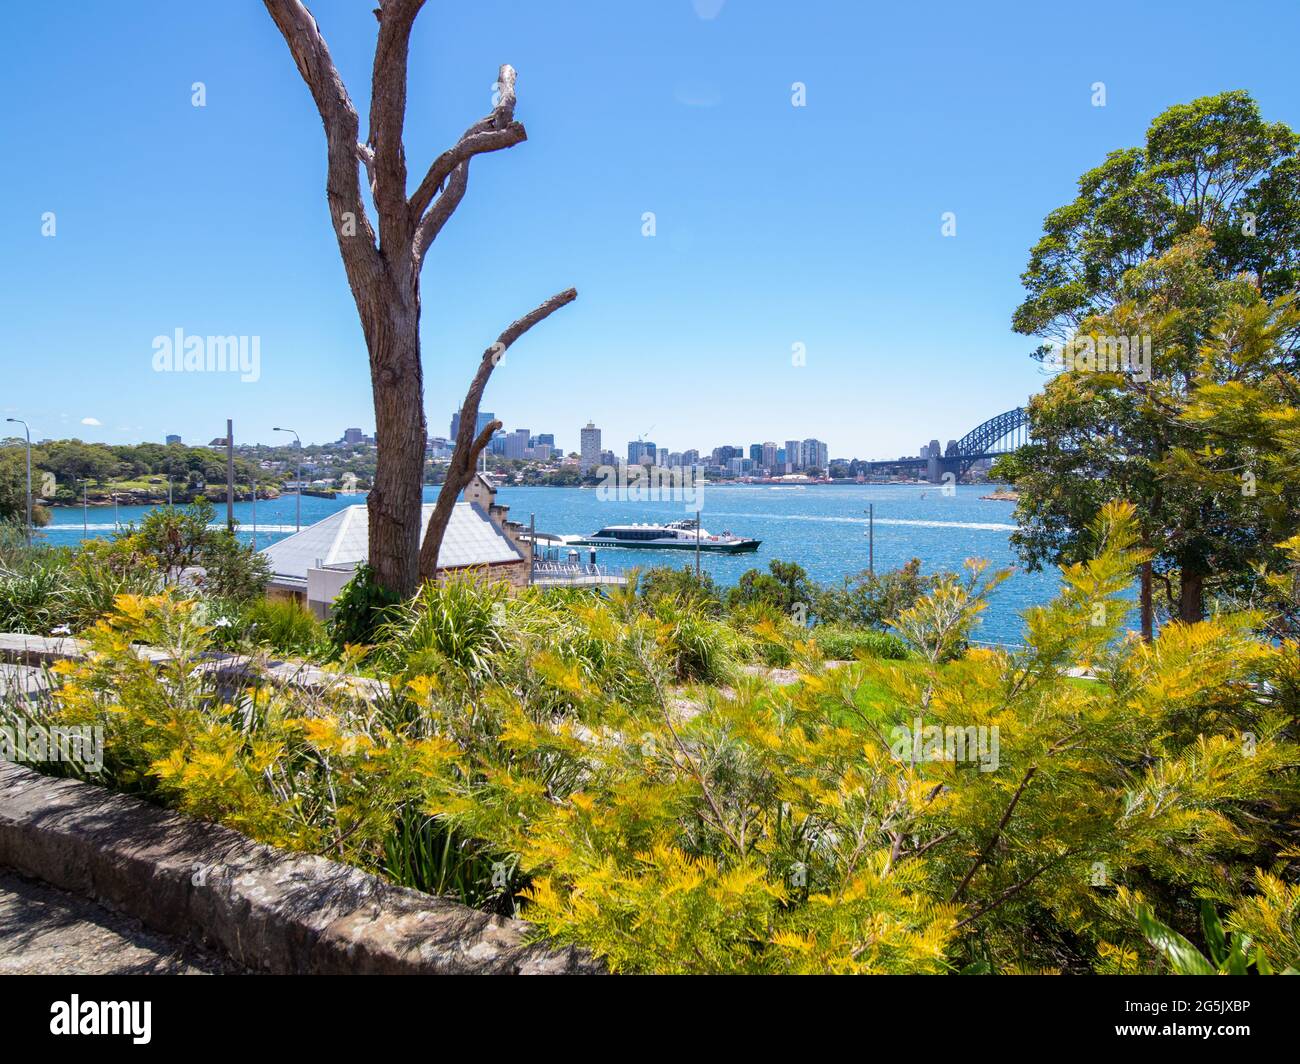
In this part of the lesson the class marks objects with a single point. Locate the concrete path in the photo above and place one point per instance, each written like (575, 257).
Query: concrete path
(44, 931)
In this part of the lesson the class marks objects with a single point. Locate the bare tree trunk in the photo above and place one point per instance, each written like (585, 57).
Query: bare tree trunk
(1191, 595)
(394, 502)
(383, 268)
(1147, 610)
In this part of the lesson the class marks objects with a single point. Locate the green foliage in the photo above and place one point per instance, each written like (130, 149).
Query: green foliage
(785, 587)
(1201, 445)
(1207, 163)
(1229, 954)
(44, 589)
(285, 626)
(233, 570)
(453, 624)
(13, 489)
(871, 600)
(665, 582)
(359, 611)
(175, 537)
(577, 759)
(845, 644)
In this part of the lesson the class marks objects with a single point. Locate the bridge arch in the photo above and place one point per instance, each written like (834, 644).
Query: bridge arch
(998, 435)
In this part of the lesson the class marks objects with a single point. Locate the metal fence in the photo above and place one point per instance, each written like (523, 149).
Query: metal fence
(553, 573)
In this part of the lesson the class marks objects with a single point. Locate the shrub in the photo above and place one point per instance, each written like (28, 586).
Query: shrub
(699, 648)
(285, 626)
(845, 644)
(359, 611)
(457, 622)
(665, 582)
(871, 600)
(233, 570)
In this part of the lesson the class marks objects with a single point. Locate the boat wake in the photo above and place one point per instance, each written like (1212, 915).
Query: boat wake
(976, 526)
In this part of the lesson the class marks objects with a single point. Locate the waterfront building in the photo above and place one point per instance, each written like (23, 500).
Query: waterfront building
(589, 447)
(313, 565)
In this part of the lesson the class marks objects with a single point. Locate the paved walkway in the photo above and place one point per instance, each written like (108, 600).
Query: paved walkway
(45, 931)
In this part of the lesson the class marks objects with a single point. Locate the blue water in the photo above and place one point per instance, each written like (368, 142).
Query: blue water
(821, 527)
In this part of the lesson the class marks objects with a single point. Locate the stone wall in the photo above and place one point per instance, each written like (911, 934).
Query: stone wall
(266, 909)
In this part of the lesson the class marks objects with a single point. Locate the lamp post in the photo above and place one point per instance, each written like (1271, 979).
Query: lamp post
(28, 432)
(298, 484)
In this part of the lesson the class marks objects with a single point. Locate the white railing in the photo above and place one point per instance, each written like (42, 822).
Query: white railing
(553, 572)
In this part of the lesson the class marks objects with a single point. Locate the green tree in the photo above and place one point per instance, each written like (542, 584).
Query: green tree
(869, 600)
(1179, 245)
(785, 586)
(1212, 163)
(1196, 434)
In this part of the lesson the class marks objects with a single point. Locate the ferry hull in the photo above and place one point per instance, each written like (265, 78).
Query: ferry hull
(743, 546)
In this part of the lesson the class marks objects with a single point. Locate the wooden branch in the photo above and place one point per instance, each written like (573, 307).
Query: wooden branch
(387, 117)
(497, 131)
(461, 470)
(443, 208)
(997, 834)
(342, 183)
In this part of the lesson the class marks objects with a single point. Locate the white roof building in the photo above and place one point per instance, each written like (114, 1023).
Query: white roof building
(317, 561)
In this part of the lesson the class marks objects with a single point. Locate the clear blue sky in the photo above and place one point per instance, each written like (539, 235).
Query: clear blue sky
(776, 225)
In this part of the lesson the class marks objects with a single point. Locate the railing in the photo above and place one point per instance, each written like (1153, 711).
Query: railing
(552, 572)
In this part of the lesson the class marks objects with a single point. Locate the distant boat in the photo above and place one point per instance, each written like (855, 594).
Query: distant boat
(677, 535)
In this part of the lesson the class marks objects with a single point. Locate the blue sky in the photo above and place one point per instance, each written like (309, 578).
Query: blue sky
(776, 225)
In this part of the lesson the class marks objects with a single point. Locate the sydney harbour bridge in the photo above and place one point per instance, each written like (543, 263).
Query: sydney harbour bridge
(998, 435)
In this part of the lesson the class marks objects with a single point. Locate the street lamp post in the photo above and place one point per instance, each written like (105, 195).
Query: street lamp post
(298, 485)
(28, 432)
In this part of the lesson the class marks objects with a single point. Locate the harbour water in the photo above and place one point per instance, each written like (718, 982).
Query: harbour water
(823, 528)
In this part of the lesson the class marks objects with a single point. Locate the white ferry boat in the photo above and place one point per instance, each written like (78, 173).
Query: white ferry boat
(676, 535)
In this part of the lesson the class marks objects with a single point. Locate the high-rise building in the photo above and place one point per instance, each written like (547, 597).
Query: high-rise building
(690, 458)
(589, 447)
(814, 455)
(484, 419)
(756, 453)
(173, 438)
(794, 454)
(641, 452)
(517, 444)
(769, 455)
(353, 435)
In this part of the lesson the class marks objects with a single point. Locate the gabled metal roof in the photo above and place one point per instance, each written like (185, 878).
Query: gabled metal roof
(342, 540)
